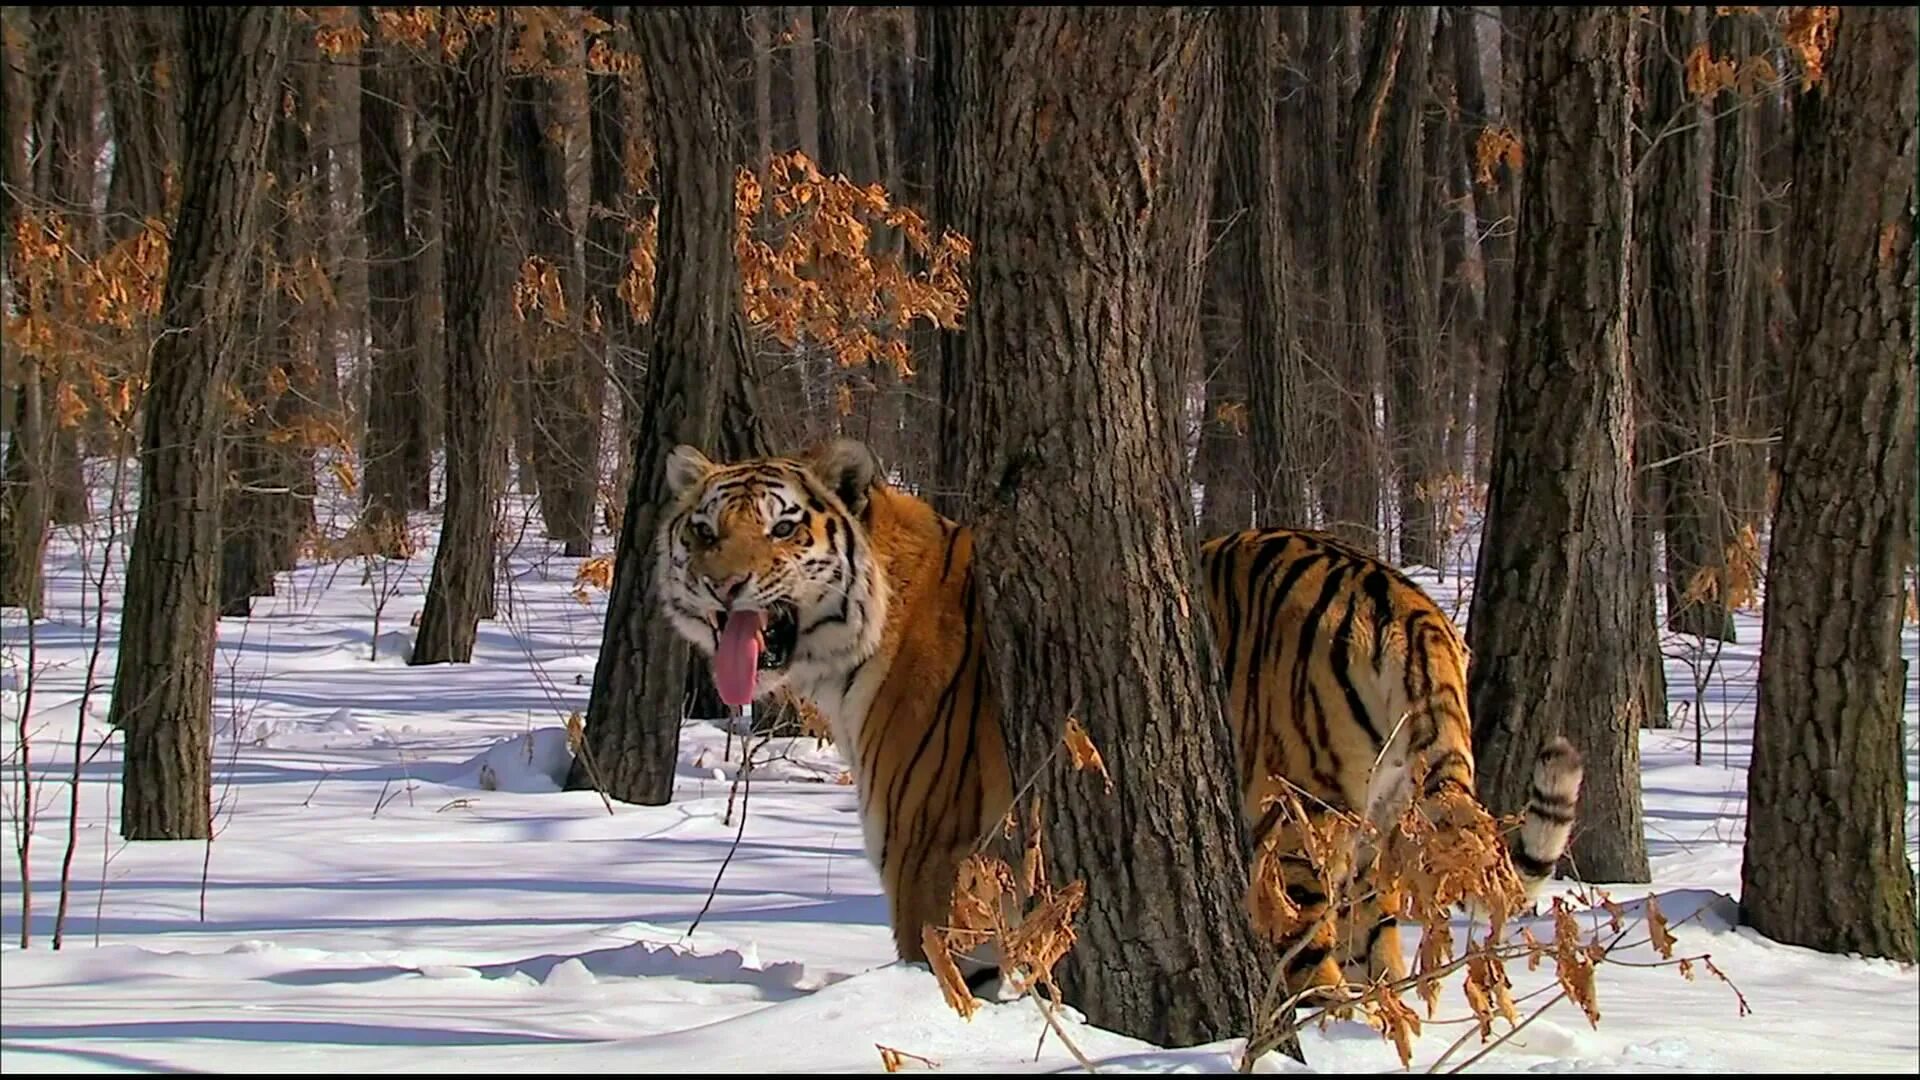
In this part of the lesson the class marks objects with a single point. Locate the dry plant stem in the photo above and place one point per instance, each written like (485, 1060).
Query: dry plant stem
(23, 808)
(746, 783)
(1049, 1009)
(86, 696)
(1517, 1029)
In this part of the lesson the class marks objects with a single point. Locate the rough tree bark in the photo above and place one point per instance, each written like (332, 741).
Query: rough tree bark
(1416, 401)
(1552, 628)
(461, 591)
(1677, 186)
(162, 690)
(640, 683)
(140, 44)
(69, 148)
(23, 487)
(393, 281)
(1482, 116)
(565, 387)
(1277, 421)
(1091, 177)
(1825, 863)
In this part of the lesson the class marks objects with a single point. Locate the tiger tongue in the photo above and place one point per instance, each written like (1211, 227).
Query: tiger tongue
(736, 660)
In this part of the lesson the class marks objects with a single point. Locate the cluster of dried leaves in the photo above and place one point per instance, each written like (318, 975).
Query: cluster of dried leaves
(83, 320)
(1441, 853)
(817, 267)
(1736, 581)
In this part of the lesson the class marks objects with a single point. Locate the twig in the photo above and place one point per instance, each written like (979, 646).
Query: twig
(746, 777)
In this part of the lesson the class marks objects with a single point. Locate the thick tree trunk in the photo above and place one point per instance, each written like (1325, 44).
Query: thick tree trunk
(639, 685)
(1552, 628)
(1089, 195)
(1277, 419)
(162, 690)
(460, 593)
(1825, 863)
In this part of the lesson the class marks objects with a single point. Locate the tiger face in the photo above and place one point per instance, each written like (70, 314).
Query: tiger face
(763, 567)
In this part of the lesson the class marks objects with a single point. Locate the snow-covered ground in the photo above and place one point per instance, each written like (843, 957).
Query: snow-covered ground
(398, 884)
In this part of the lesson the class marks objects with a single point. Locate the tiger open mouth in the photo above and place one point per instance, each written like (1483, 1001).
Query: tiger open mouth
(782, 633)
(749, 642)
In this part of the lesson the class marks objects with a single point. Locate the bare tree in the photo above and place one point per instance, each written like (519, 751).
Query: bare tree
(1825, 863)
(1552, 627)
(162, 694)
(1085, 195)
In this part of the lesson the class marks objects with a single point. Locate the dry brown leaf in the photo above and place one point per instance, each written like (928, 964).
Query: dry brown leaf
(947, 973)
(1085, 756)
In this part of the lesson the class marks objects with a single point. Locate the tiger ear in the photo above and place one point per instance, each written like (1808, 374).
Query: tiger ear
(849, 469)
(687, 469)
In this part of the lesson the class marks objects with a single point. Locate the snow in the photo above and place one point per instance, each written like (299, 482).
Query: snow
(399, 883)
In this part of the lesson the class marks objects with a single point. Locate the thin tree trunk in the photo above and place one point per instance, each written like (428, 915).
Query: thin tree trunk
(1552, 627)
(1493, 202)
(1277, 421)
(162, 690)
(460, 593)
(806, 82)
(1415, 398)
(1678, 188)
(639, 685)
(139, 49)
(1825, 863)
(23, 487)
(426, 242)
(392, 283)
(566, 388)
(1089, 198)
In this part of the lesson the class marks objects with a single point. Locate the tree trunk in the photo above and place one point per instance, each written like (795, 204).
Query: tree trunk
(565, 387)
(1678, 189)
(296, 336)
(426, 239)
(1552, 629)
(1825, 864)
(1493, 202)
(608, 241)
(806, 81)
(23, 487)
(1277, 420)
(1089, 196)
(1415, 395)
(140, 46)
(633, 716)
(461, 591)
(162, 690)
(69, 147)
(393, 393)
(1222, 462)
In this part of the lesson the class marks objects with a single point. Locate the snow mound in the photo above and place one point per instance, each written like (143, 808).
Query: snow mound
(536, 761)
(340, 729)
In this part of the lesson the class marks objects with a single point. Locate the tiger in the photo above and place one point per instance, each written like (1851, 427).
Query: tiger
(815, 575)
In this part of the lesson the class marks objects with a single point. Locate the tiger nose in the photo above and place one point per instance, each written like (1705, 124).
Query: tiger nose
(729, 588)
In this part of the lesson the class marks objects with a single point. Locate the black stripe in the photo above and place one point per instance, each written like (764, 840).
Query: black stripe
(1376, 585)
(1343, 674)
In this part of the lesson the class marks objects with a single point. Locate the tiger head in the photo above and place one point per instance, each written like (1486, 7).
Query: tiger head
(764, 566)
